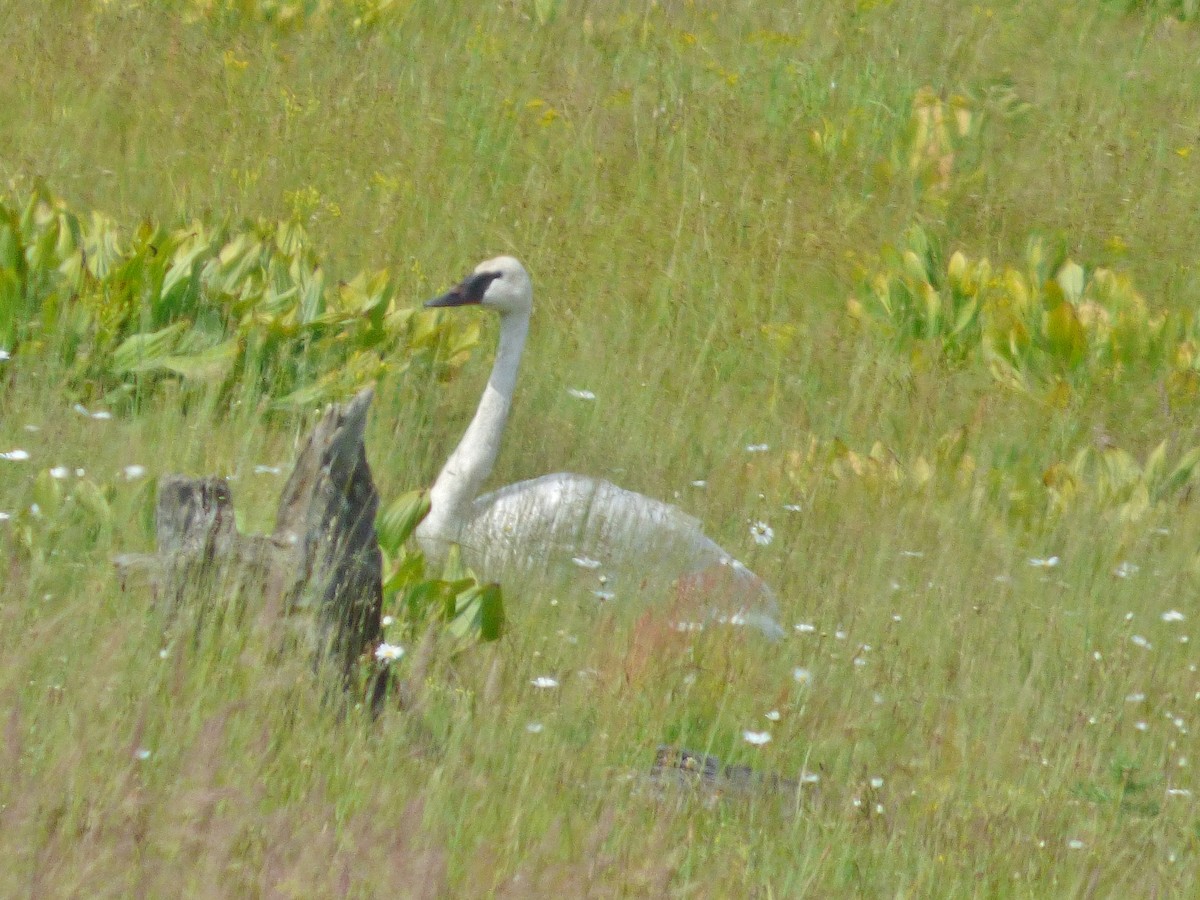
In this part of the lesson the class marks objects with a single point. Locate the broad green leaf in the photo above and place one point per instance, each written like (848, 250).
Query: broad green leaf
(1155, 465)
(1181, 474)
(409, 569)
(1071, 279)
(101, 246)
(915, 268)
(11, 256)
(957, 269)
(90, 498)
(966, 316)
(395, 524)
(185, 266)
(1064, 333)
(478, 615)
(212, 364)
(140, 349)
(47, 493)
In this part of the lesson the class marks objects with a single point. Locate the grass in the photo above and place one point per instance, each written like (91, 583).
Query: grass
(696, 189)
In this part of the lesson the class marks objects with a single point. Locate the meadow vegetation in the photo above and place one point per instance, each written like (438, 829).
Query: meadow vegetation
(913, 285)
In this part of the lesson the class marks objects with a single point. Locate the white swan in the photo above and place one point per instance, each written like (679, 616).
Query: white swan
(623, 541)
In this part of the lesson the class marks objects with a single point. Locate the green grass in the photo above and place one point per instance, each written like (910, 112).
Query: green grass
(693, 246)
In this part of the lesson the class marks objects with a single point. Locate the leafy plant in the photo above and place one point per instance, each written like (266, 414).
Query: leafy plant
(206, 304)
(1113, 479)
(917, 299)
(471, 612)
(1050, 319)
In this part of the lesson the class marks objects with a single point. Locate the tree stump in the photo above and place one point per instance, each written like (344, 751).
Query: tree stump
(320, 570)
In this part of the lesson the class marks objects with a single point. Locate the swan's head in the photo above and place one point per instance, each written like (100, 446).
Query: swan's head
(501, 284)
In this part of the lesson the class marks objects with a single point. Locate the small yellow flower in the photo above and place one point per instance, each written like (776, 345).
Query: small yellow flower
(232, 62)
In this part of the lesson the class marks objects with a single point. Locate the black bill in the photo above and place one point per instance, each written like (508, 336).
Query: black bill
(468, 292)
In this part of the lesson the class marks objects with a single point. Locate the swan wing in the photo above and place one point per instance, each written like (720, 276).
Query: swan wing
(576, 517)
(589, 526)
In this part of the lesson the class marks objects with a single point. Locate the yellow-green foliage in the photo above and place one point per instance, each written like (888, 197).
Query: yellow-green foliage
(204, 303)
(1050, 318)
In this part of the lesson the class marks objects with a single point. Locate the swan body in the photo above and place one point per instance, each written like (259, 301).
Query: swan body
(618, 539)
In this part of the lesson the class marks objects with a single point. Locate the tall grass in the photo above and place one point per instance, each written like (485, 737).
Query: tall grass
(695, 188)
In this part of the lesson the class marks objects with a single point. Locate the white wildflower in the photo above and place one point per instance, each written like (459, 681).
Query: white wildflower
(60, 472)
(699, 483)
(387, 620)
(1139, 641)
(773, 715)
(805, 628)
(1075, 845)
(792, 507)
(544, 681)
(15, 455)
(585, 562)
(1135, 698)
(1173, 615)
(877, 782)
(535, 727)
(267, 470)
(142, 754)
(387, 653)
(580, 394)
(762, 533)
(757, 738)
(802, 675)
(757, 448)
(1178, 792)
(1048, 562)
(134, 471)
(102, 414)
(1126, 570)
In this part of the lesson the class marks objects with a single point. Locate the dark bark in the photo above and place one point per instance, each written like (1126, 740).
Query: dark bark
(320, 570)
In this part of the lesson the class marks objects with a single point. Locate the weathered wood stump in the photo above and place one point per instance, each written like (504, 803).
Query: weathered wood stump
(320, 570)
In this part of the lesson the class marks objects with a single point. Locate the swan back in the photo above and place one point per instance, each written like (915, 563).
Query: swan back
(617, 543)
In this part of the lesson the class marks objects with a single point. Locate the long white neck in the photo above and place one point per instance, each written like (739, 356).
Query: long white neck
(471, 462)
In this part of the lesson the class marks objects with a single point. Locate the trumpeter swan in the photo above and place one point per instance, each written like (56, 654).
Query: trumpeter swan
(624, 541)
